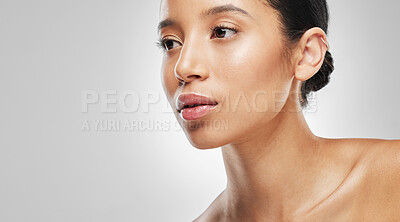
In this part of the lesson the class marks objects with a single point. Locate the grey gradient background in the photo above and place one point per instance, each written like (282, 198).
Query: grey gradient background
(53, 51)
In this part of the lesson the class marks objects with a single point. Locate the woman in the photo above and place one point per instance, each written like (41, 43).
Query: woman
(251, 64)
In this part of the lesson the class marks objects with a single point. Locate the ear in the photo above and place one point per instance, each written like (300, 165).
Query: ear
(311, 50)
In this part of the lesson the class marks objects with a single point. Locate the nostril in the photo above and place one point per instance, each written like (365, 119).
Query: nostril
(188, 78)
(194, 76)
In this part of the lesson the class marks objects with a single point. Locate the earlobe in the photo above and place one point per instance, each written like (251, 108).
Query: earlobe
(312, 48)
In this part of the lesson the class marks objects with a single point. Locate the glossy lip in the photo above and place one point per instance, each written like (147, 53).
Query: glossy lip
(190, 99)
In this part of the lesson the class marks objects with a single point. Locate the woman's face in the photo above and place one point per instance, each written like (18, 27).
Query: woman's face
(231, 51)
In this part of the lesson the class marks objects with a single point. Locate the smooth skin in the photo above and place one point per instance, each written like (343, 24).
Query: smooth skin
(277, 169)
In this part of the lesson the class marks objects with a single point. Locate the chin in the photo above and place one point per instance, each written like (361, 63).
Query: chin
(202, 138)
(204, 144)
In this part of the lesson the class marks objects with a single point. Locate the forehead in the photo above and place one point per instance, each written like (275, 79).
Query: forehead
(197, 8)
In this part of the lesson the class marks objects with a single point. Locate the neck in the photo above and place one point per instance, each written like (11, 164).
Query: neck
(280, 169)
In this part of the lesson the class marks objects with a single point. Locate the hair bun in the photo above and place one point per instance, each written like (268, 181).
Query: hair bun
(319, 80)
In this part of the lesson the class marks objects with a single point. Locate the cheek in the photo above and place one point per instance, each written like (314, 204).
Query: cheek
(169, 82)
(253, 66)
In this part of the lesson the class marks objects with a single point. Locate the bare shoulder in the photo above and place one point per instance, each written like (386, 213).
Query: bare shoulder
(372, 191)
(379, 158)
(374, 157)
(369, 151)
(382, 157)
(382, 163)
(380, 193)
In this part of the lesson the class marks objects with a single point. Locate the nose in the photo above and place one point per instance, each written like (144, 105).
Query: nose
(192, 63)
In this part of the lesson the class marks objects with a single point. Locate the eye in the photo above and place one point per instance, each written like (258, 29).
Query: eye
(167, 44)
(223, 32)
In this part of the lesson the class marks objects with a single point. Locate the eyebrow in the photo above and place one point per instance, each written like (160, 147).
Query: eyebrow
(166, 23)
(225, 8)
(212, 11)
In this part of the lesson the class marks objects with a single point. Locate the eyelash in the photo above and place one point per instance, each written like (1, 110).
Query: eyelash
(213, 28)
(161, 42)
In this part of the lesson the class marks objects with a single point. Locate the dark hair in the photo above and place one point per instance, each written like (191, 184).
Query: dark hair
(297, 16)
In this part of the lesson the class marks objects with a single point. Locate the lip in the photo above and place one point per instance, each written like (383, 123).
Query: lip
(193, 106)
